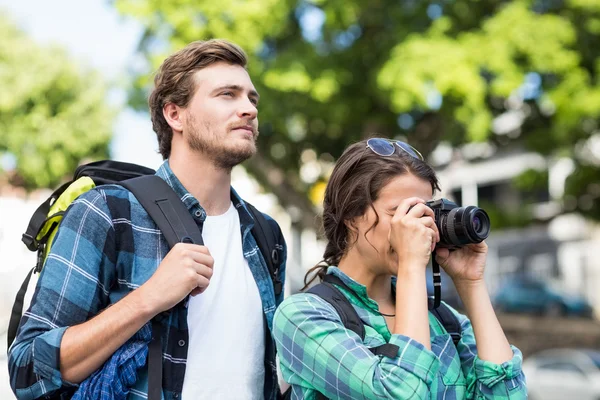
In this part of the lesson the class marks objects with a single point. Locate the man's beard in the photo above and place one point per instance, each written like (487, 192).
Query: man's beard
(202, 138)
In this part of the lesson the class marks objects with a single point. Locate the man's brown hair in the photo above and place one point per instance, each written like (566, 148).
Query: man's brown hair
(174, 81)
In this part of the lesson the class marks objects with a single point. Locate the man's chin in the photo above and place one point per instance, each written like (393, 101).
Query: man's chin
(230, 159)
(244, 150)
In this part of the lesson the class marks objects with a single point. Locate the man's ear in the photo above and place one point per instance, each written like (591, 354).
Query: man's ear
(174, 116)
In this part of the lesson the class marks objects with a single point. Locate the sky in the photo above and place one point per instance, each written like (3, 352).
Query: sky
(95, 34)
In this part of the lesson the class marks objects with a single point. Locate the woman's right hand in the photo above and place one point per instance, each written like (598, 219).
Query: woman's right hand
(413, 233)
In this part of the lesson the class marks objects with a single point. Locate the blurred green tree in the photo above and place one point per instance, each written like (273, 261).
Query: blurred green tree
(332, 72)
(53, 114)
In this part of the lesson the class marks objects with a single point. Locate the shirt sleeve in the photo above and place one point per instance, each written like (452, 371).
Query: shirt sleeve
(485, 379)
(72, 287)
(317, 352)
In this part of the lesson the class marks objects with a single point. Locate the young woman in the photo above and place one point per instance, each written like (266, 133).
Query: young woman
(380, 238)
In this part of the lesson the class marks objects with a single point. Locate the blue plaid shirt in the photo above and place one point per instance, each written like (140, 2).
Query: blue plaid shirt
(107, 246)
(114, 381)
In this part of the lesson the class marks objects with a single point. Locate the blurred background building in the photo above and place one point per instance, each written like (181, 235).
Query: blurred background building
(503, 98)
(551, 246)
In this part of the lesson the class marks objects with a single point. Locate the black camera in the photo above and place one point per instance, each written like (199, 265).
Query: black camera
(459, 226)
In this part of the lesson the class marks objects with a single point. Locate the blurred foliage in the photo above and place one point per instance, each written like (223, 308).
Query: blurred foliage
(583, 190)
(501, 218)
(332, 72)
(52, 114)
(533, 186)
(531, 179)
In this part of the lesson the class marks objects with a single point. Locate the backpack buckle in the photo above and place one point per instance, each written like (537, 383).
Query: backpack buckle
(455, 337)
(277, 286)
(275, 257)
(40, 259)
(29, 241)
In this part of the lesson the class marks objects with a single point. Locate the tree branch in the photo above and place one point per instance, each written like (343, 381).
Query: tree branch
(275, 180)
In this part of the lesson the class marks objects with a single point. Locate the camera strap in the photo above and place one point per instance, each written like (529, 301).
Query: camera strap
(437, 282)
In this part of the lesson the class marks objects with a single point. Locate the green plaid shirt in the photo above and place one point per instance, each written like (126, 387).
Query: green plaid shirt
(318, 354)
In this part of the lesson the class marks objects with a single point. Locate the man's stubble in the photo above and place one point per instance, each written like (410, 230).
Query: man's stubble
(202, 137)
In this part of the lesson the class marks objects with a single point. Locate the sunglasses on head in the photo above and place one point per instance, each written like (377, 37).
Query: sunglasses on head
(386, 147)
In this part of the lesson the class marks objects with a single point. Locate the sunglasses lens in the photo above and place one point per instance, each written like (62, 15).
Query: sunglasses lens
(410, 150)
(381, 147)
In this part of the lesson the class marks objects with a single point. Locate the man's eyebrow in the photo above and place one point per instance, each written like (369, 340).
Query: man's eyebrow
(237, 88)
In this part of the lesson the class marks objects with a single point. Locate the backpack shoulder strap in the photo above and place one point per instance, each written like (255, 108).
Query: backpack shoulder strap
(17, 311)
(165, 208)
(448, 319)
(350, 319)
(267, 240)
(328, 292)
(177, 225)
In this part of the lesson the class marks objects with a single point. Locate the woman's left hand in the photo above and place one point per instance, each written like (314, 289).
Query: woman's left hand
(465, 265)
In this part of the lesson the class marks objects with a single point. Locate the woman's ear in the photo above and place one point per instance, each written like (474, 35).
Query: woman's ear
(352, 227)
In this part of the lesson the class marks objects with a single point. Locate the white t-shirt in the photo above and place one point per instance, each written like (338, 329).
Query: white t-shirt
(226, 332)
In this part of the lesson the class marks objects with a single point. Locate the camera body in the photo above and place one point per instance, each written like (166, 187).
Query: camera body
(459, 226)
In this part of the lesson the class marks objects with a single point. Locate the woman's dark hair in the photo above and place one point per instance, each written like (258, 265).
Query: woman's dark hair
(355, 183)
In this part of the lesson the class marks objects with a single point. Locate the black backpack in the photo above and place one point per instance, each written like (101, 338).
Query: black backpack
(164, 207)
(328, 291)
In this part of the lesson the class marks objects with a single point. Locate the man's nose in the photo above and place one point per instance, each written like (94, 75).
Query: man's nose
(248, 109)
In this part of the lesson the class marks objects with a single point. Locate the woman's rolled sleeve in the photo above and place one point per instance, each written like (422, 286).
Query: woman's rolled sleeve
(485, 379)
(500, 381)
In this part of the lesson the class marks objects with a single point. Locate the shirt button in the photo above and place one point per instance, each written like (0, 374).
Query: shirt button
(176, 395)
(181, 343)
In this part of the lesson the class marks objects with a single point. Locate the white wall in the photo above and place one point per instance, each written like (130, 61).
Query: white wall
(17, 260)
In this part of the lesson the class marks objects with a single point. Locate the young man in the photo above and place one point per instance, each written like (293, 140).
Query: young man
(110, 270)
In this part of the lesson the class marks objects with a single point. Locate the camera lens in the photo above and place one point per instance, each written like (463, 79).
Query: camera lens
(480, 225)
(464, 225)
(476, 224)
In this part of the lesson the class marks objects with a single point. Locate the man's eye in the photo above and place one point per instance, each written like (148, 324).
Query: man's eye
(229, 94)
(254, 101)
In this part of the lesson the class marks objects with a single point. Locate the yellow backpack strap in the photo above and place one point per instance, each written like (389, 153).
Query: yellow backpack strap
(58, 200)
(57, 209)
(39, 217)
